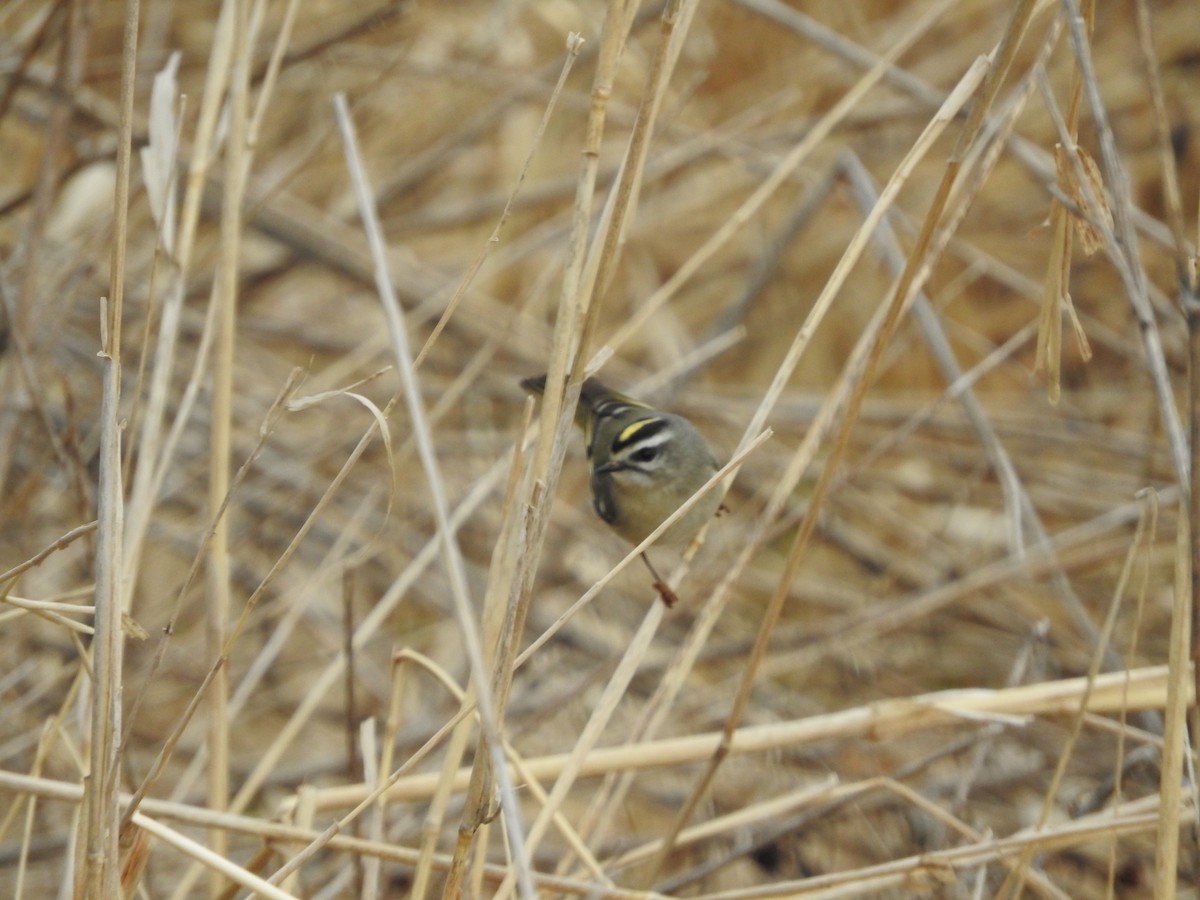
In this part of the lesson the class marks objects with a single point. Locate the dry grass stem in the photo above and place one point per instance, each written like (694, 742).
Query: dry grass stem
(807, 524)
(450, 548)
(99, 876)
(574, 43)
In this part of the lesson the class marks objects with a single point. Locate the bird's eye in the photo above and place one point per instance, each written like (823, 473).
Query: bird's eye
(646, 454)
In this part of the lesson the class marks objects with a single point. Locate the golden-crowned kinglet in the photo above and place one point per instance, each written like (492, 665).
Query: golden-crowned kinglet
(645, 464)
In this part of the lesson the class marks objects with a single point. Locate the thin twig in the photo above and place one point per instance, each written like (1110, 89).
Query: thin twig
(1124, 250)
(218, 588)
(450, 548)
(574, 43)
(42, 555)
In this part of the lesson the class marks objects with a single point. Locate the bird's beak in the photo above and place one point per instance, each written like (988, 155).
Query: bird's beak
(610, 467)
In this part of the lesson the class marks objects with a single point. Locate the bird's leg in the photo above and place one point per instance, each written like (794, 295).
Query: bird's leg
(664, 589)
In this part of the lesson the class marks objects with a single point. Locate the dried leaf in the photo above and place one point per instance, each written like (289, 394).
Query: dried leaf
(158, 156)
(1091, 238)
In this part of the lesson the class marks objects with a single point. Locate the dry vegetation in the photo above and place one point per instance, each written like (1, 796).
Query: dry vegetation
(937, 618)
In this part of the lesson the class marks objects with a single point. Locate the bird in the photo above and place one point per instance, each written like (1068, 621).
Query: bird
(645, 463)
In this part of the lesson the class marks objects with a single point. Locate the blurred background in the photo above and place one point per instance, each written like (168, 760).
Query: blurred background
(913, 581)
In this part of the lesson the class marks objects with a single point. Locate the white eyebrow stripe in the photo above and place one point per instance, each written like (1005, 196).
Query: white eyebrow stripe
(653, 440)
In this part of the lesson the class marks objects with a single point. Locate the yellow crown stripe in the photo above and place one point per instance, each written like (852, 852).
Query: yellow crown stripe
(627, 435)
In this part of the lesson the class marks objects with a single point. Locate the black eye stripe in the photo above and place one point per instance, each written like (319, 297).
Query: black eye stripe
(639, 431)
